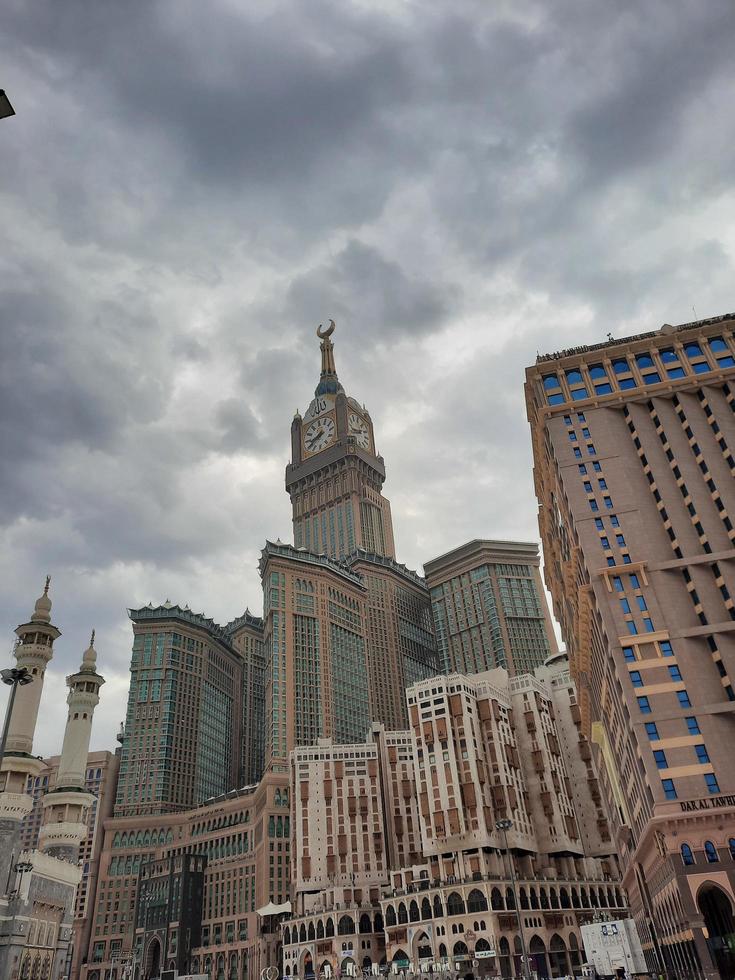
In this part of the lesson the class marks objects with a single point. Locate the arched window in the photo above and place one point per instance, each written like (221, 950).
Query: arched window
(425, 909)
(496, 899)
(390, 916)
(686, 854)
(402, 913)
(413, 911)
(346, 926)
(286, 936)
(476, 901)
(731, 845)
(438, 910)
(710, 852)
(329, 929)
(320, 930)
(455, 905)
(365, 923)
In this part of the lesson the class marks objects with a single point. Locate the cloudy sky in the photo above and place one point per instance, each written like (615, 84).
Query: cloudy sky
(189, 188)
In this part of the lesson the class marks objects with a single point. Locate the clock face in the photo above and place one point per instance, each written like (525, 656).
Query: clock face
(319, 434)
(359, 429)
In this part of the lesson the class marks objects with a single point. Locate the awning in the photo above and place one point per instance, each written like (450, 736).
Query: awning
(272, 909)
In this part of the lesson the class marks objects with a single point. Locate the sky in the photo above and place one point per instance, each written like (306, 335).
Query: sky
(189, 189)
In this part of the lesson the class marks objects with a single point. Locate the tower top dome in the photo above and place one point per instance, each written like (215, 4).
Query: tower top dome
(328, 381)
(89, 659)
(42, 609)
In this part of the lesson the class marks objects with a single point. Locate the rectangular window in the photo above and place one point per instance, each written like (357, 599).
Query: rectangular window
(702, 754)
(617, 583)
(577, 452)
(620, 540)
(587, 486)
(636, 679)
(610, 561)
(591, 449)
(660, 758)
(634, 583)
(615, 521)
(582, 469)
(641, 603)
(599, 523)
(625, 605)
(666, 648)
(572, 436)
(648, 623)
(593, 506)
(586, 432)
(596, 466)
(629, 655)
(604, 542)
(683, 699)
(603, 484)
(567, 419)
(632, 628)
(626, 559)
(669, 789)
(711, 783)
(652, 731)
(580, 417)
(644, 705)
(692, 726)
(608, 502)
(626, 383)
(603, 388)
(675, 673)
(620, 366)
(579, 394)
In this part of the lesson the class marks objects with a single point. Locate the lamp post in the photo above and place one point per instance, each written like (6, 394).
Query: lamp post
(12, 676)
(6, 108)
(504, 826)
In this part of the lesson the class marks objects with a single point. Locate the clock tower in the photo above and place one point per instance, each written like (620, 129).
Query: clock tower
(335, 476)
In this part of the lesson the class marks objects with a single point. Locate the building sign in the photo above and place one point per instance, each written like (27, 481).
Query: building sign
(708, 803)
(483, 954)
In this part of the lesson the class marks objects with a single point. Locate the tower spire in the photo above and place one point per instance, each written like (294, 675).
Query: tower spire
(328, 381)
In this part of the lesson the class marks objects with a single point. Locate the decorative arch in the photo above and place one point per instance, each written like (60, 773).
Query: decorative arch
(402, 913)
(710, 852)
(390, 916)
(346, 926)
(366, 925)
(425, 909)
(413, 911)
(455, 904)
(476, 901)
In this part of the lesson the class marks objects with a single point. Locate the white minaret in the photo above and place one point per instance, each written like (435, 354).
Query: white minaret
(33, 651)
(65, 807)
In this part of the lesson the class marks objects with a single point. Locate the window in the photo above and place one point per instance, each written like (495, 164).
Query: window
(621, 366)
(586, 432)
(611, 561)
(599, 523)
(629, 655)
(648, 623)
(686, 854)
(555, 399)
(593, 506)
(692, 350)
(578, 394)
(620, 540)
(632, 628)
(608, 502)
(644, 360)
(675, 674)
(602, 484)
(636, 679)
(634, 583)
(574, 377)
(604, 542)
(710, 852)
(550, 382)
(669, 356)
(582, 469)
(591, 451)
(675, 372)
(717, 344)
(683, 699)
(615, 521)
(666, 648)
(644, 705)
(625, 605)
(603, 388)
(597, 466)
(710, 781)
(652, 731)
(598, 371)
(702, 754)
(626, 559)
(587, 486)
(626, 382)
(652, 378)
(731, 845)
(572, 436)
(641, 603)
(580, 417)
(567, 419)
(693, 726)
(700, 367)
(669, 789)
(577, 452)
(617, 583)
(660, 759)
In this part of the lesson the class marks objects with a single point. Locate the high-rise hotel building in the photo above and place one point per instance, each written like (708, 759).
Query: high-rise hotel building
(633, 444)
(347, 627)
(194, 716)
(489, 607)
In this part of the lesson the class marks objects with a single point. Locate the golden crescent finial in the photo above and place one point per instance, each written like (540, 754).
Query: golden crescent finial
(323, 334)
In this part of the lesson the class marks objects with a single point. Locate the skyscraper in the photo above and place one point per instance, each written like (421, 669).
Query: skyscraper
(490, 608)
(633, 445)
(347, 627)
(187, 734)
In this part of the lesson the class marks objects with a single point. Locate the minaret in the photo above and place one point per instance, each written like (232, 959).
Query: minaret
(65, 807)
(33, 651)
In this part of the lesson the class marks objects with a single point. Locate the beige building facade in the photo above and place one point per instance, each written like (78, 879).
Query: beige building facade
(397, 860)
(633, 446)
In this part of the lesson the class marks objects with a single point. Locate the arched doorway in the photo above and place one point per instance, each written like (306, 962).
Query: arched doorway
(716, 908)
(400, 960)
(558, 956)
(153, 959)
(537, 955)
(307, 969)
(424, 952)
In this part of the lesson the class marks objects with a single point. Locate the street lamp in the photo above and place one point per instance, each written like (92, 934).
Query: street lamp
(12, 676)
(504, 826)
(6, 108)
